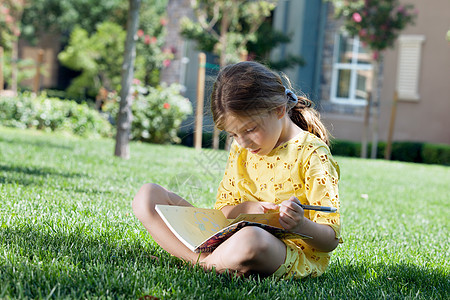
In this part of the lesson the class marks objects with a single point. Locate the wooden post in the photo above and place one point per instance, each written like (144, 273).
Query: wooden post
(366, 126)
(244, 55)
(37, 76)
(1, 69)
(200, 99)
(388, 150)
(376, 109)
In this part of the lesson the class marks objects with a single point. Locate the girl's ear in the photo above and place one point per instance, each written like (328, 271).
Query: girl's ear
(280, 111)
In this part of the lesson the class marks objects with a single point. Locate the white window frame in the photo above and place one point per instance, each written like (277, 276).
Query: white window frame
(353, 66)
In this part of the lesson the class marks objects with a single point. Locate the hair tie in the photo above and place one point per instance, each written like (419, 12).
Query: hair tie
(291, 95)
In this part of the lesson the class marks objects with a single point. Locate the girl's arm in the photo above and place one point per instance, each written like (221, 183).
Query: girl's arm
(248, 207)
(292, 218)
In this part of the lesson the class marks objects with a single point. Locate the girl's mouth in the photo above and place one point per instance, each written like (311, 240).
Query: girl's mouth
(255, 151)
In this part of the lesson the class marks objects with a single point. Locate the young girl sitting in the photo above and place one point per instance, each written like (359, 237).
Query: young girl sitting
(279, 160)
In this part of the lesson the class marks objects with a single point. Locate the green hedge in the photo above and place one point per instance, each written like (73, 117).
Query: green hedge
(51, 114)
(402, 151)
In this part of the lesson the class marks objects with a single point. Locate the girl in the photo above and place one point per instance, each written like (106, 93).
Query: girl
(279, 160)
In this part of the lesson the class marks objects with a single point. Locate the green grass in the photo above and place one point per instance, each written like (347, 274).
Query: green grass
(67, 229)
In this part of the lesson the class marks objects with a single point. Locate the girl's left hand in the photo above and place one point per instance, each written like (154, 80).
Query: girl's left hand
(291, 214)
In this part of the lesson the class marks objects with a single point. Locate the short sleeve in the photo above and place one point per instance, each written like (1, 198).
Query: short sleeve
(321, 186)
(227, 193)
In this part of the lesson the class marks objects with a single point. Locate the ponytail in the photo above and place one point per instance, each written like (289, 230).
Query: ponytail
(308, 119)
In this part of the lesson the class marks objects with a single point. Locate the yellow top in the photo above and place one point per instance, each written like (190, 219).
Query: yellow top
(302, 167)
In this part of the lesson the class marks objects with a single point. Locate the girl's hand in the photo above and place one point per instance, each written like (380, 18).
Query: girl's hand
(291, 214)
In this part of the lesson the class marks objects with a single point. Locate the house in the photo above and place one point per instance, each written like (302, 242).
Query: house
(338, 73)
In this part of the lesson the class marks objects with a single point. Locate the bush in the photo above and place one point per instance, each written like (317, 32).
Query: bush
(43, 113)
(157, 113)
(436, 154)
(402, 151)
(345, 148)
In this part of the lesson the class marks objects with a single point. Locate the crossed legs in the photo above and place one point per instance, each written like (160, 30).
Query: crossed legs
(250, 250)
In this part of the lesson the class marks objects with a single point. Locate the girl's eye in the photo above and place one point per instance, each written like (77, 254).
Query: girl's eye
(250, 130)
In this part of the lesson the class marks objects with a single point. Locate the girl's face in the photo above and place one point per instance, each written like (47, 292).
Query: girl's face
(259, 134)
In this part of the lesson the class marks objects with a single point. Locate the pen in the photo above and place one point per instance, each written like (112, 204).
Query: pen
(327, 209)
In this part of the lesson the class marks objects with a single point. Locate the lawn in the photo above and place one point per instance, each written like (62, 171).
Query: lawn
(67, 229)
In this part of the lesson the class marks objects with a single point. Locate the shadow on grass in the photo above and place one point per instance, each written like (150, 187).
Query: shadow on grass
(389, 280)
(35, 171)
(34, 143)
(38, 176)
(77, 262)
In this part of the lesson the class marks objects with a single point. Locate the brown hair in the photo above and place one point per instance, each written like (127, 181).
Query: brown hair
(249, 88)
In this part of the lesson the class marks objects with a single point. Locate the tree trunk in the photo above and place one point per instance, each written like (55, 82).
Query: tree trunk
(378, 75)
(14, 61)
(125, 116)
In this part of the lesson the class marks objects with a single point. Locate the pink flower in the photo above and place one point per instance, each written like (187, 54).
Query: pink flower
(136, 81)
(153, 40)
(362, 32)
(9, 19)
(166, 63)
(147, 39)
(166, 105)
(356, 17)
(163, 21)
(375, 55)
(140, 33)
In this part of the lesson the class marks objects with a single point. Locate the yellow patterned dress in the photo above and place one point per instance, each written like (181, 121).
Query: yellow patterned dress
(302, 167)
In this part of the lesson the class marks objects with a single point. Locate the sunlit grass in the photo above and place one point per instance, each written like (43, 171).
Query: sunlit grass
(67, 229)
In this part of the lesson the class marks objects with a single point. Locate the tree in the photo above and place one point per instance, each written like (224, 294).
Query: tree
(125, 116)
(378, 24)
(226, 26)
(268, 38)
(62, 16)
(12, 11)
(97, 34)
(98, 57)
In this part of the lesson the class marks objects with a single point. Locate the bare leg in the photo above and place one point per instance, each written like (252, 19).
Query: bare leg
(144, 208)
(250, 250)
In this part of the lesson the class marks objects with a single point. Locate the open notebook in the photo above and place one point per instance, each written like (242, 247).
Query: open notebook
(203, 229)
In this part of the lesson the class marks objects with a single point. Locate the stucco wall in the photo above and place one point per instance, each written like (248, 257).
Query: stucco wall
(425, 120)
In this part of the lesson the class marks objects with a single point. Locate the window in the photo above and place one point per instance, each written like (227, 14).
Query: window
(352, 71)
(408, 68)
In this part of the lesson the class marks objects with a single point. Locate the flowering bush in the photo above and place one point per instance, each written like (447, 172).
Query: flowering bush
(376, 22)
(157, 113)
(51, 114)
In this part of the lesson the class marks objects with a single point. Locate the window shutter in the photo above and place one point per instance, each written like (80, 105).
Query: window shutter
(408, 68)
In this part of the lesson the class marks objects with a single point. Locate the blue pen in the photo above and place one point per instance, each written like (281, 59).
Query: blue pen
(327, 209)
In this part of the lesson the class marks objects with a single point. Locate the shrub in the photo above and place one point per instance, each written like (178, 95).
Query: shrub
(345, 148)
(436, 154)
(402, 151)
(43, 113)
(157, 113)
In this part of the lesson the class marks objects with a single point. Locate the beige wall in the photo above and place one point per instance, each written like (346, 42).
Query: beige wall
(425, 120)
